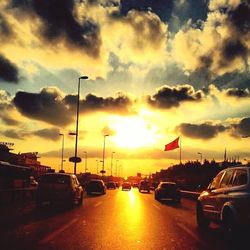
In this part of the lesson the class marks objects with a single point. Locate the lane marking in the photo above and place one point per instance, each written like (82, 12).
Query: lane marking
(56, 232)
(156, 206)
(98, 203)
(188, 231)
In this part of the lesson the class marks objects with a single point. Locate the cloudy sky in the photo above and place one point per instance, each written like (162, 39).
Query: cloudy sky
(157, 69)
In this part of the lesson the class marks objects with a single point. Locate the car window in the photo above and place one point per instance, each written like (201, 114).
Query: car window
(227, 179)
(216, 181)
(240, 177)
(58, 179)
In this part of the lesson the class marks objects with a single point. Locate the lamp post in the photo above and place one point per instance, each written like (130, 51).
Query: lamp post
(62, 150)
(86, 155)
(116, 170)
(111, 167)
(200, 155)
(77, 118)
(103, 154)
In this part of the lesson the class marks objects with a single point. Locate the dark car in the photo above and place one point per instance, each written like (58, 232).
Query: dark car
(168, 190)
(144, 186)
(111, 185)
(96, 186)
(59, 188)
(226, 200)
(126, 186)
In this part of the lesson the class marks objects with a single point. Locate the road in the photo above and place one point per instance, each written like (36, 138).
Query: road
(118, 220)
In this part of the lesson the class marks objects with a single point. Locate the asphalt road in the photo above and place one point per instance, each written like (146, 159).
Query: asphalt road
(118, 220)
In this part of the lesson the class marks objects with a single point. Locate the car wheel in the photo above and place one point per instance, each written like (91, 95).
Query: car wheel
(228, 222)
(202, 221)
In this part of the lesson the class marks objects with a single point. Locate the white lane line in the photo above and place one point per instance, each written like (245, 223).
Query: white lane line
(98, 203)
(156, 206)
(56, 233)
(187, 230)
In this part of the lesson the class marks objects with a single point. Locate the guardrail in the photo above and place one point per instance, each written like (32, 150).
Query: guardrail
(190, 195)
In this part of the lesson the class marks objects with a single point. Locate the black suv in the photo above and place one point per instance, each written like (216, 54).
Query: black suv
(226, 200)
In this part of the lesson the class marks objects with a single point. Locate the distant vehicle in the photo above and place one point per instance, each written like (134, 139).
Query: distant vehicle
(96, 186)
(135, 184)
(154, 185)
(126, 186)
(59, 188)
(117, 184)
(226, 200)
(111, 185)
(168, 190)
(144, 186)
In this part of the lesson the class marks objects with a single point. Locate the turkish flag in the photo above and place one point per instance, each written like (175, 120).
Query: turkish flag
(172, 145)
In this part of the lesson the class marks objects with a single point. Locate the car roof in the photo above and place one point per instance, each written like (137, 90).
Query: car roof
(168, 182)
(58, 174)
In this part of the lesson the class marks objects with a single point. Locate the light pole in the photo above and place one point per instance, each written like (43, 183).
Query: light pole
(77, 118)
(111, 167)
(200, 155)
(116, 170)
(103, 154)
(62, 150)
(86, 155)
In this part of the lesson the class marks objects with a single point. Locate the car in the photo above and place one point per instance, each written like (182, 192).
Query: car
(126, 186)
(135, 184)
(226, 201)
(167, 190)
(111, 185)
(96, 186)
(59, 188)
(144, 186)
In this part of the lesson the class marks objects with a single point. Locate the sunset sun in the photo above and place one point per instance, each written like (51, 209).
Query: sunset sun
(133, 133)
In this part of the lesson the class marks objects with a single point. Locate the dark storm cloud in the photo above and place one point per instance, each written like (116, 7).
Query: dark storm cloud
(14, 134)
(235, 45)
(236, 92)
(120, 104)
(9, 120)
(51, 107)
(5, 29)
(203, 131)
(8, 70)
(59, 22)
(163, 8)
(242, 128)
(48, 133)
(46, 106)
(168, 97)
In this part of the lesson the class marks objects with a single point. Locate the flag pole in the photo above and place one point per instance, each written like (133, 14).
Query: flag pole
(180, 150)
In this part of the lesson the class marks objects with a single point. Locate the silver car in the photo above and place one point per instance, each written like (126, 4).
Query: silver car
(226, 200)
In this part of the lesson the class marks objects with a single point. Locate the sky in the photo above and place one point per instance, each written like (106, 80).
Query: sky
(157, 70)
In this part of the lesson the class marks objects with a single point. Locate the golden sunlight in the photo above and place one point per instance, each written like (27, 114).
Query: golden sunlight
(133, 132)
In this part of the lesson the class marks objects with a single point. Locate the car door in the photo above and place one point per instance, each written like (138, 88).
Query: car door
(209, 201)
(223, 192)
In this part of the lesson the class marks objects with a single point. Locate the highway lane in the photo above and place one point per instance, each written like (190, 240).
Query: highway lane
(117, 220)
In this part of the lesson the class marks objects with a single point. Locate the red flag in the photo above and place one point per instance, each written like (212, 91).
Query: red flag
(172, 145)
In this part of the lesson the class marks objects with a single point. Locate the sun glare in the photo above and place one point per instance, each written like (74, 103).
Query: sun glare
(133, 132)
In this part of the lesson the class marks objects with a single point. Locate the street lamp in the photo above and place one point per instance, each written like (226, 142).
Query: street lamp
(116, 170)
(103, 154)
(86, 155)
(200, 155)
(62, 150)
(112, 162)
(77, 118)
